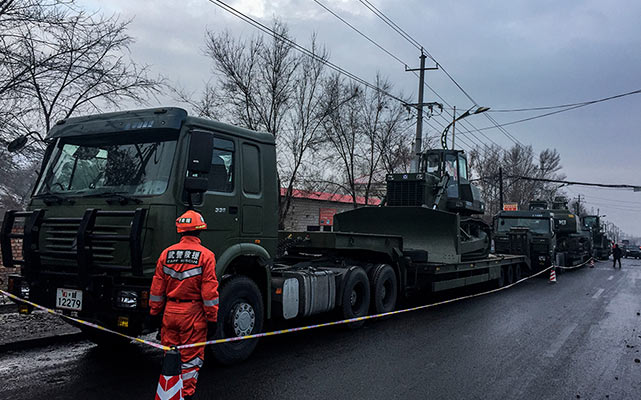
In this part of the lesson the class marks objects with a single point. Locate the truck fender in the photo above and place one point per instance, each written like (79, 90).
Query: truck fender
(247, 250)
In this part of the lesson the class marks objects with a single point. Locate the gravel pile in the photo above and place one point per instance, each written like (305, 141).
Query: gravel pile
(17, 327)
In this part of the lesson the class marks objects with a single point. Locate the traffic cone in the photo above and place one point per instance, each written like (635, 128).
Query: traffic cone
(592, 263)
(552, 275)
(170, 383)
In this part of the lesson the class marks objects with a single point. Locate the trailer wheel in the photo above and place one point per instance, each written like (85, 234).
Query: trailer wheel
(501, 281)
(509, 275)
(241, 313)
(355, 297)
(517, 272)
(384, 289)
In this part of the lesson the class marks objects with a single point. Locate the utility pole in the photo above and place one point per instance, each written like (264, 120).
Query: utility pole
(454, 130)
(578, 205)
(418, 141)
(500, 185)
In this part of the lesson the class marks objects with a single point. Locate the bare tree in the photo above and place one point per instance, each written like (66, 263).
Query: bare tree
(56, 61)
(516, 162)
(256, 78)
(305, 129)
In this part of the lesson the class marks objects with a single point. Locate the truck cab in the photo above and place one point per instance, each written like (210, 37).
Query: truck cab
(105, 205)
(530, 232)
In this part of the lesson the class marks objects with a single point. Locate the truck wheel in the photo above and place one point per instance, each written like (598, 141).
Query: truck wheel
(517, 272)
(384, 289)
(501, 281)
(509, 275)
(355, 297)
(241, 314)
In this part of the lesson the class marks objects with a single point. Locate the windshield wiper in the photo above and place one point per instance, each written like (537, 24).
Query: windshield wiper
(113, 197)
(52, 198)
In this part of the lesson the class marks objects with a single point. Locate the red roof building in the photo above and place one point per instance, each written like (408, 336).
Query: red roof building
(314, 211)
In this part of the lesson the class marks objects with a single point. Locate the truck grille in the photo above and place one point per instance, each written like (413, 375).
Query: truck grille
(62, 237)
(406, 193)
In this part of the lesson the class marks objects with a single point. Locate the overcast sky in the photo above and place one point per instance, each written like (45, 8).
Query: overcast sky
(506, 54)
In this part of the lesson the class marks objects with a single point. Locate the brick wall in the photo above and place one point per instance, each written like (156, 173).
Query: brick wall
(306, 212)
(16, 247)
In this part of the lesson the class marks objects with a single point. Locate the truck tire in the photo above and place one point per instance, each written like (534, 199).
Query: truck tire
(355, 297)
(517, 272)
(384, 289)
(240, 313)
(509, 275)
(500, 282)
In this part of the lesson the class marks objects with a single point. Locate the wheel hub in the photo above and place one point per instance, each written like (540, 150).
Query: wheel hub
(353, 297)
(243, 319)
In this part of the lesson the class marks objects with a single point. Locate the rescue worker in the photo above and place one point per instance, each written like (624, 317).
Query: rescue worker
(185, 288)
(616, 256)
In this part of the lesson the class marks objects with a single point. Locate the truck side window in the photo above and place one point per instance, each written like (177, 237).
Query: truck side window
(251, 169)
(221, 175)
(462, 167)
(450, 167)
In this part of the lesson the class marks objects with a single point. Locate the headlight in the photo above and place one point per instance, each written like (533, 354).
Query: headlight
(127, 299)
(24, 290)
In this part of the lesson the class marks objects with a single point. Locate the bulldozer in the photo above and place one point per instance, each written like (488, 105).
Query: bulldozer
(434, 210)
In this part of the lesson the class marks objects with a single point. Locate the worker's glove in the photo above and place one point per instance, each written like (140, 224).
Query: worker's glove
(211, 329)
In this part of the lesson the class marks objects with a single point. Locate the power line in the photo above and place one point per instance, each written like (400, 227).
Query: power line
(563, 110)
(567, 105)
(407, 37)
(360, 33)
(414, 42)
(301, 49)
(393, 25)
(602, 185)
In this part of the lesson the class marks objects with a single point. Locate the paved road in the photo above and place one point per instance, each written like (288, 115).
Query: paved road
(576, 339)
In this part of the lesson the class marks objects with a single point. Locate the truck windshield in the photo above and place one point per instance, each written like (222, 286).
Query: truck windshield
(124, 163)
(535, 225)
(590, 222)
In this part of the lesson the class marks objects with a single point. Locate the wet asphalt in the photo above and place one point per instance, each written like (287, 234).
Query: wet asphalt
(578, 338)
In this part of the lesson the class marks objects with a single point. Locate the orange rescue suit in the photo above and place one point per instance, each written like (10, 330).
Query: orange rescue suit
(186, 288)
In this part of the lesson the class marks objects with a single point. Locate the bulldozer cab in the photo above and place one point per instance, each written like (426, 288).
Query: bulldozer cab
(449, 167)
(442, 183)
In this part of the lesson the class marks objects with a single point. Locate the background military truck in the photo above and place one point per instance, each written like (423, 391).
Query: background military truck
(112, 185)
(574, 240)
(530, 232)
(600, 242)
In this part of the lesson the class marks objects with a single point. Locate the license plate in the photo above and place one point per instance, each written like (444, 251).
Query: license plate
(69, 299)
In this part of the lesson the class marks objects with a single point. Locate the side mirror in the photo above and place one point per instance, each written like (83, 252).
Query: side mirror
(17, 143)
(200, 152)
(21, 141)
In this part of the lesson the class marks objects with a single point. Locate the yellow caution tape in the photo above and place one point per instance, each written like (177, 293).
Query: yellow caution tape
(577, 266)
(272, 333)
(83, 322)
(348, 321)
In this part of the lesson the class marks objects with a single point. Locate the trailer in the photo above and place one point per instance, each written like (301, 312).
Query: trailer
(112, 185)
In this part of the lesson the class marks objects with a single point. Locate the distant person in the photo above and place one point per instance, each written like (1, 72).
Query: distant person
(617, 253)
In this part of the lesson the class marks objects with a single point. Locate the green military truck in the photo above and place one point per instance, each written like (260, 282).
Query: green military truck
(530, 232)
(601, 248)
(112, 185)
(547, 235)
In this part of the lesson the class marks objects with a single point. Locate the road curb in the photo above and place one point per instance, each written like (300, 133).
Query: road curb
(41, 341)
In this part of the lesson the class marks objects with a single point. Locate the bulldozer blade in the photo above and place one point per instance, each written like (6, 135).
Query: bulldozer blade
(434, 231)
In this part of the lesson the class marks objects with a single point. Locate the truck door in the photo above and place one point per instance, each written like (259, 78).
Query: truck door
(220, 205)
(252, 222)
